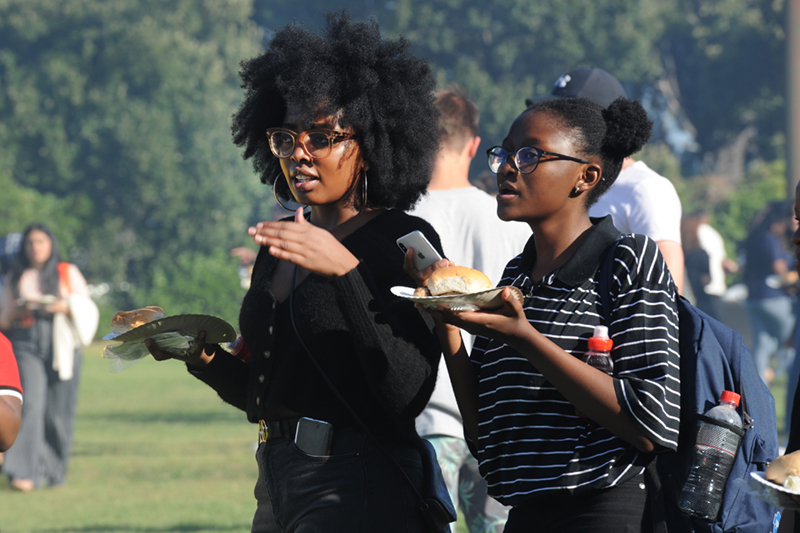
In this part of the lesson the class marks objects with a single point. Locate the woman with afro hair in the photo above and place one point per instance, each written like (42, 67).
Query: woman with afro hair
(564, 443)
(344, 123)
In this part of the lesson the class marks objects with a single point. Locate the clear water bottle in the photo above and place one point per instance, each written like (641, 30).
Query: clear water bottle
(599, 353)
(719, 433)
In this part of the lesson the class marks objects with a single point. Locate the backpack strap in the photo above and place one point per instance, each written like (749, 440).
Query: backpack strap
(606, 278)
(655, 510)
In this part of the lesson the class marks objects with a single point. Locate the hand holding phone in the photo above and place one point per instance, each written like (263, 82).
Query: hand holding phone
(424, 253)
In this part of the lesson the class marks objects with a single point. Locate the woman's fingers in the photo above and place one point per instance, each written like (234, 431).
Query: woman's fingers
(162, 355)
(157, 353)
(421, 276)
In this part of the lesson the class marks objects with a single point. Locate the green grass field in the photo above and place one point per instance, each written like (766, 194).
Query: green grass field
(155, 451)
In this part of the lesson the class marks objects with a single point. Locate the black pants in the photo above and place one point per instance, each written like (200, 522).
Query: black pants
(618, 509)
(355, 489)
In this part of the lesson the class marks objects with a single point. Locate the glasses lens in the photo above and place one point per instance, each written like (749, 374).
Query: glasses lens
(317, 143)
(527, 158)
(497, 156)
(282, 143)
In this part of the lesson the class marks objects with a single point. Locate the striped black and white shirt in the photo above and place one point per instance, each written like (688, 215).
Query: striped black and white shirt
(531, 441)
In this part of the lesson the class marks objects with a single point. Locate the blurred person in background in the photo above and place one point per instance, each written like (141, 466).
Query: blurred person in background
(705, 276)
(719, 264)
(344, 123)
(466, 220)
(34, 291)
(640, 200)
(9, 247)
(769, 305)
(790, 521)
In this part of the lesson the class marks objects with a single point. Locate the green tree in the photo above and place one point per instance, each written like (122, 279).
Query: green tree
(715, 66)
(119, 113)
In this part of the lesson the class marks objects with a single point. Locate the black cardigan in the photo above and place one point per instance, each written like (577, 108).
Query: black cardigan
(379, 351)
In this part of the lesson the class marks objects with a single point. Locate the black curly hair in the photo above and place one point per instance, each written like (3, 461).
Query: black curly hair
(374, 85)
(612, 133)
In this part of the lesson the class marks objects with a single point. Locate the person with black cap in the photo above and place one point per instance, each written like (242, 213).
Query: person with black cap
(641, 200)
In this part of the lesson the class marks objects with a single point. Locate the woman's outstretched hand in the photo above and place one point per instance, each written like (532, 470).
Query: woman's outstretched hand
(200, 357)
(305, 245)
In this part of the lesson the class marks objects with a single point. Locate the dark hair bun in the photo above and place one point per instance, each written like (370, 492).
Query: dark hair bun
(628, 130)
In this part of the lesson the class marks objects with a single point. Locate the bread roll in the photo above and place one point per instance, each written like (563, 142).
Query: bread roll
(458, 280)
(124, 321)
(785, 471)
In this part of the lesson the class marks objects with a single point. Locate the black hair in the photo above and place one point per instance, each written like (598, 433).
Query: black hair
(612, 133)
(48, 275)
(374, 85)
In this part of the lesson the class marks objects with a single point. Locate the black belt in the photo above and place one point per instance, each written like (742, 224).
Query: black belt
(277, 429)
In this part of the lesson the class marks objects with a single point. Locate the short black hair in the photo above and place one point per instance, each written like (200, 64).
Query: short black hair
(374, 85)
(612, 133)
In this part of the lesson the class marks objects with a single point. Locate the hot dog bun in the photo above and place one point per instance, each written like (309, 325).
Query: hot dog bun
(124, 321)
(785, 471)
(458, 280)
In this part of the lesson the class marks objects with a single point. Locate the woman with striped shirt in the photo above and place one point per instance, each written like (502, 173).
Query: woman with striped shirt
(521, 389)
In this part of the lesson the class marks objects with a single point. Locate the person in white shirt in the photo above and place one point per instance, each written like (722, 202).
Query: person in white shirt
(641, 200)
(472, 235)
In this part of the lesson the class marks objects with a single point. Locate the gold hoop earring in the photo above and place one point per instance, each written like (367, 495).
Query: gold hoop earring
(275, 193)
(364, 204)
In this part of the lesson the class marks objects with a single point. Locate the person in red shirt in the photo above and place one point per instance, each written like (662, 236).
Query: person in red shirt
(10, 396)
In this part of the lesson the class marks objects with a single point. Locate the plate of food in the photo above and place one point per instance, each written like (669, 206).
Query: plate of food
(143, 323)
(177, 335)
(780, 484)
(459, 289)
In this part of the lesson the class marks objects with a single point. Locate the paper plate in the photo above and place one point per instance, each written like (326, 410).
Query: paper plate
(767, 491)
(490, 299)
(217, 330)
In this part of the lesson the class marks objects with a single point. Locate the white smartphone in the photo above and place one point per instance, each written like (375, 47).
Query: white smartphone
(424, 253)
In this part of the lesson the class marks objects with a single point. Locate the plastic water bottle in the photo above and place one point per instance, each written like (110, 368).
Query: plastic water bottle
(715, 449)
(599, 353)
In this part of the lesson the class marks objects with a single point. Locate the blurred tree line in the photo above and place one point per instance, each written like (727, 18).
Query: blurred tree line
(114, 115)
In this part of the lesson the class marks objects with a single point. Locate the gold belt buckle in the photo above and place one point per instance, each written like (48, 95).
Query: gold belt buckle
(263, 431)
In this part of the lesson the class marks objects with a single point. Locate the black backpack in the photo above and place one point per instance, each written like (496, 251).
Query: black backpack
(713, 359)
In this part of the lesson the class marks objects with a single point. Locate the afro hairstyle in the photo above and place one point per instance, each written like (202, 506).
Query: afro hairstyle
(612, 133)
(374, 85)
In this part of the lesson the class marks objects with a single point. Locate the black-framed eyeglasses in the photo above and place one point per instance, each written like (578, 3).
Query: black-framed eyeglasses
(526, 158)
(317, 143)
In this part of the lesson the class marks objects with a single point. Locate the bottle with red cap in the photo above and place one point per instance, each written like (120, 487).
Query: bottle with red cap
(719, 434)
(599, 353)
